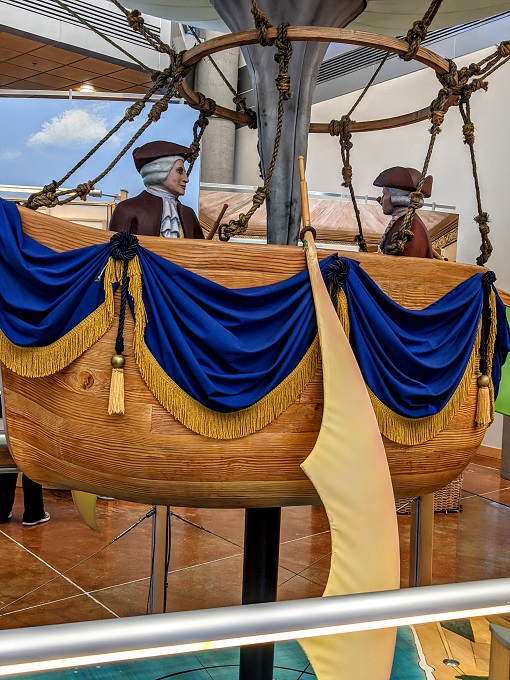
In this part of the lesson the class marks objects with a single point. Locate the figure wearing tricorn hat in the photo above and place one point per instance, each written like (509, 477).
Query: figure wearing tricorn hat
(157, 211)
(397, 184)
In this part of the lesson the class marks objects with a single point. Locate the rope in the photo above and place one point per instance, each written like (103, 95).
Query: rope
(282, 80)
(418, 32)
(207, 107)
(49, 195)
(482, 218)
(123, 247)
(404, 234)
(340, 128)
(262, 24)
(137, 23)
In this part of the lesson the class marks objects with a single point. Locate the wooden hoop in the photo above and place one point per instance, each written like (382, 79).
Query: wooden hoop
(317, 34)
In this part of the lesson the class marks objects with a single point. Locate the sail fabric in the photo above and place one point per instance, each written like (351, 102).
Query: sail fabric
(349, 470)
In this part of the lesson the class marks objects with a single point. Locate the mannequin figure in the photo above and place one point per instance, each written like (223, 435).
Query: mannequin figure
(157, 211)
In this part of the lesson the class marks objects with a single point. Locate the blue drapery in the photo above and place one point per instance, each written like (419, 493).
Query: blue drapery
(413, 360)
(44, 294)
(229, 348)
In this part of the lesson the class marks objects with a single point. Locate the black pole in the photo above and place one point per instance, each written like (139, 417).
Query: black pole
(260, 582)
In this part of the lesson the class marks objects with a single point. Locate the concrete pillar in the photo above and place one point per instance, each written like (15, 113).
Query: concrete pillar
(217, 154)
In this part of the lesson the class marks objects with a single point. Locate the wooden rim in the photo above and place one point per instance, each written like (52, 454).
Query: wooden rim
(317, 34)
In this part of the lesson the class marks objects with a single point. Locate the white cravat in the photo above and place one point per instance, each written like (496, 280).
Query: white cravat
(170, 223)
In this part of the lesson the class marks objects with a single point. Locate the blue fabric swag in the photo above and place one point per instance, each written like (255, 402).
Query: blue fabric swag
(413, 360)
(229, 348)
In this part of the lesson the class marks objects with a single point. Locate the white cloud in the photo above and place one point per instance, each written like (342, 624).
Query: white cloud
(10, 155)
(72, 127)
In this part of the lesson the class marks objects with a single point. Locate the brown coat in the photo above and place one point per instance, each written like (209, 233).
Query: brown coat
(420, 246)
(142, 215)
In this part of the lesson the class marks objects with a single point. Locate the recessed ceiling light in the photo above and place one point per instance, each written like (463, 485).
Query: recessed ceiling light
(86, 88)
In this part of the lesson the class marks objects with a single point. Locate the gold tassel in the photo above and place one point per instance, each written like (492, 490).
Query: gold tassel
(483, 402)
(116, 400)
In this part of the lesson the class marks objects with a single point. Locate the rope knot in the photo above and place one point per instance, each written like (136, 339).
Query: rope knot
(415, 199)
(487, 280)
(262, 24)
(468, 130)
(347, 175)
(83, 190)
(46, 197)
(259, 196)
(504, 49)
(437, 117)
(134, 110)
(157, 110)
(282, 81)
(334, 127)
(123, 246)
(135, 19)
(482, 220)
(337, 271)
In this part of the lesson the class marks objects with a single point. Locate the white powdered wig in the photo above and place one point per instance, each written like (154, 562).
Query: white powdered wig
(401, 197)
(157, 171)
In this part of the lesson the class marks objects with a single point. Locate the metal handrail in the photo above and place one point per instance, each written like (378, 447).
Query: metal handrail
(75, 644)
(243, 188)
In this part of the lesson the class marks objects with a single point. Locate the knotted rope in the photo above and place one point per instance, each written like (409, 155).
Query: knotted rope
(282, 80)
(207, 107)
(340, 128)
(418, 32)
(123, 248)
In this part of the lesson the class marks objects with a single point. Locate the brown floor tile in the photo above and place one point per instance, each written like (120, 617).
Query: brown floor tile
(206, 568)
(69, 611)
(481, 480)
(127, 599)
(300, 554)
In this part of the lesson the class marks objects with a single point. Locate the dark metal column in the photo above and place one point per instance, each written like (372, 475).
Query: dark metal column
(505, 449)
(260, 581)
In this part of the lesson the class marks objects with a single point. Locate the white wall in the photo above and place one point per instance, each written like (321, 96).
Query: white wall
(450, 164)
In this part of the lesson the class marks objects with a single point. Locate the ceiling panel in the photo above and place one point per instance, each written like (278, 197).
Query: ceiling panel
(29, 64)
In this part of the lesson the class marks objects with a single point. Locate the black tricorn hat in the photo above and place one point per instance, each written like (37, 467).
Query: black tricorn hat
(154, 150)
(404, 178)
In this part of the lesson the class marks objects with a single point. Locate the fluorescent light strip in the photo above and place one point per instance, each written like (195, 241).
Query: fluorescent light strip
(402, 608)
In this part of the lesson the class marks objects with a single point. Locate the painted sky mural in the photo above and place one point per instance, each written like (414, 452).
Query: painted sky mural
(44, 138)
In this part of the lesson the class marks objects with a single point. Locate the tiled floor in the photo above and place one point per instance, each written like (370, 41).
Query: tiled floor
(62, 571)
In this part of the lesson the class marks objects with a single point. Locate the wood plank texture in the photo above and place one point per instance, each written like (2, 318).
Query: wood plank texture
(61, 434)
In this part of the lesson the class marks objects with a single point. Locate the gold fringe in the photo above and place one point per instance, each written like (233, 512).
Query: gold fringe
(37, 362)
(411, 431)
(214, 424)
(342, 309)
(116, 398)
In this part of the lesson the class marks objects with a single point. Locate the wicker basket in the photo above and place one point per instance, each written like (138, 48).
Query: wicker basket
(446, 499)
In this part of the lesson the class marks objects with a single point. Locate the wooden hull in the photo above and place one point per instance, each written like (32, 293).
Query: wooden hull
(61, 435)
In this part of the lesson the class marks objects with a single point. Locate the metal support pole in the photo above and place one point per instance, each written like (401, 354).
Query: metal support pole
(161, 535)
(421, 541)
(260, 582)
(505, 449)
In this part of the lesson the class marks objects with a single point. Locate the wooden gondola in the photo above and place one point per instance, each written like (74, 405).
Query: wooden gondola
(60, 432)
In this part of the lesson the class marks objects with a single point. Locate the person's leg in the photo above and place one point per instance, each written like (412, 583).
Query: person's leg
(33, 501)
(7, 493)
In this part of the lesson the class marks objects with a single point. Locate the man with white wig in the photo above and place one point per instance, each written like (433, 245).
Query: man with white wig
(397, 184)
(157, 211)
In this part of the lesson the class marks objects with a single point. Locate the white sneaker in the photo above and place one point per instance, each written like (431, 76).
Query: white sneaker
(44, 519)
